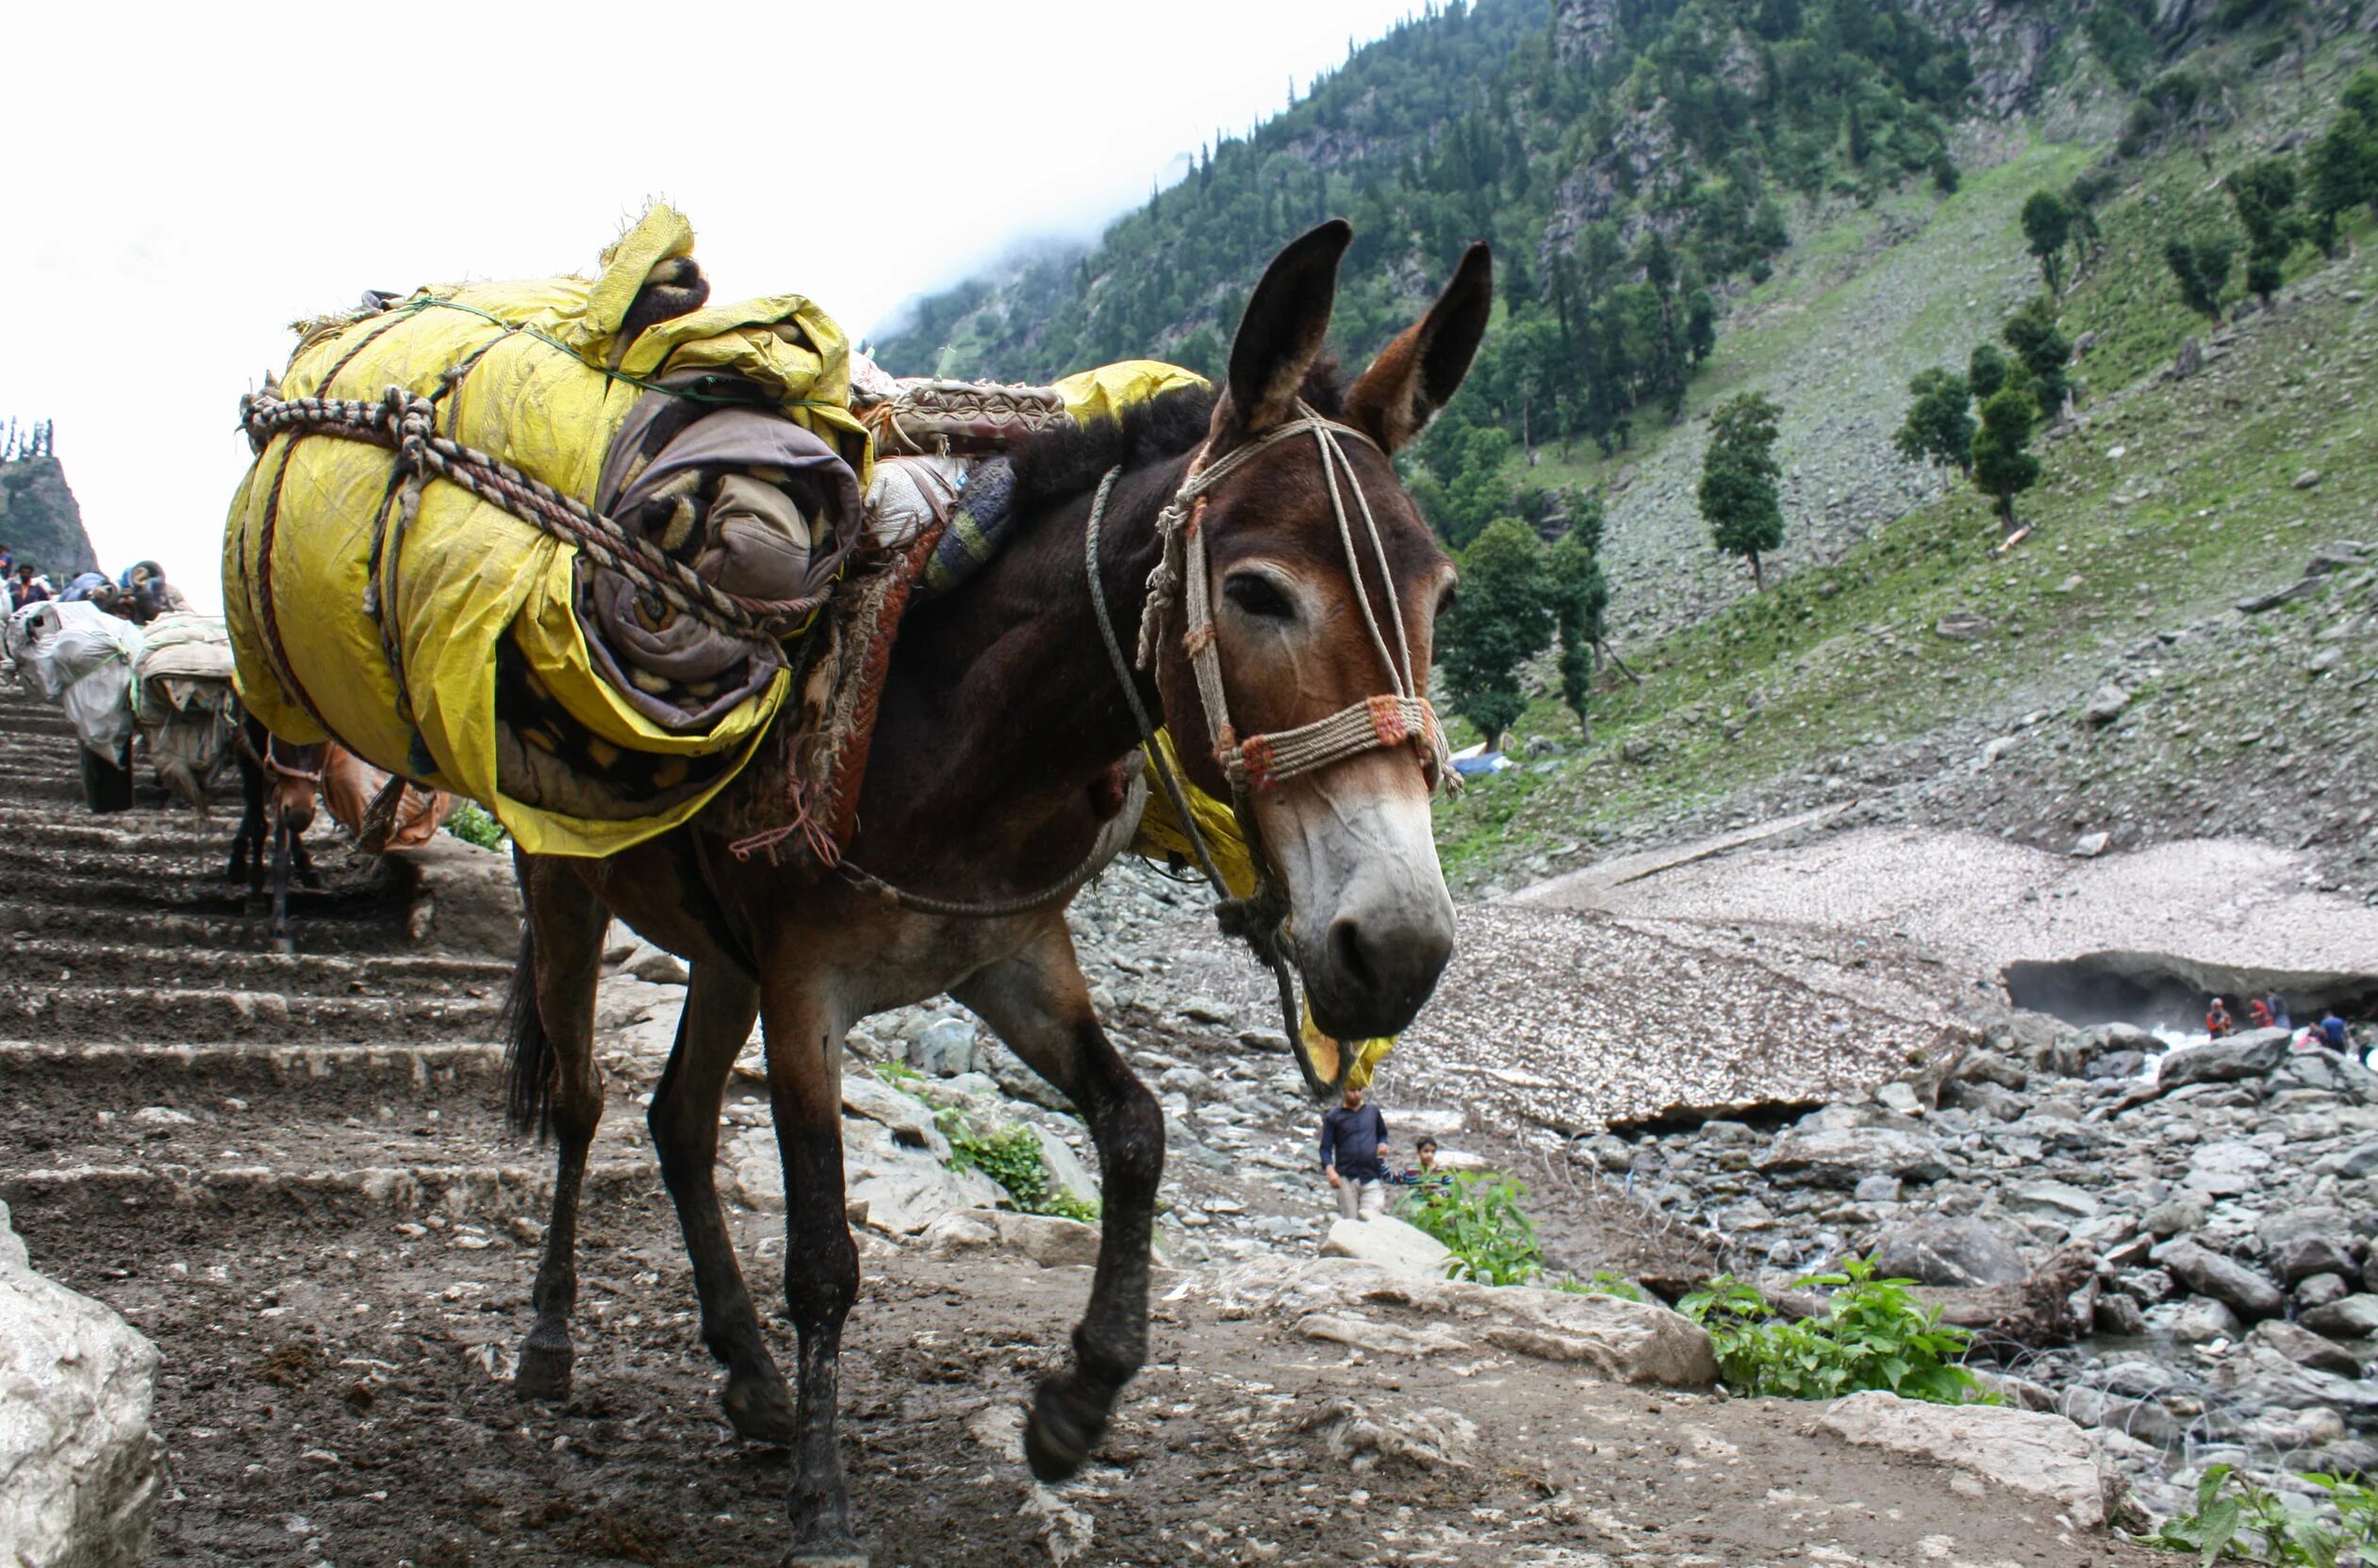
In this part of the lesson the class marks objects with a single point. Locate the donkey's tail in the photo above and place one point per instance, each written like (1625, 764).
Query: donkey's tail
(528, 1053)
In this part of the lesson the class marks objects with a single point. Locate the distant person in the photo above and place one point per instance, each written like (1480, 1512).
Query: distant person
(1351, 1138)
(2258, 1013)
(2278, 1005)
(2333, 1030)
(1425, 1173)
(2217, 1019)
(94, 587)
(31, 587)
(146, 593)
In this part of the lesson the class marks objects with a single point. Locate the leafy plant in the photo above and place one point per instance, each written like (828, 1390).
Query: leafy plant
(1010, 1158)
(1478, 1218)
(2238, 1517)
(1738, 493)
(1602, 1282)
(1502, 618)
(473, 824)
(1874, 1335)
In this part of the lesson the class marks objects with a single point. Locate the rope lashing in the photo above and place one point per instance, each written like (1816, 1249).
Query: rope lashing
(407, 423)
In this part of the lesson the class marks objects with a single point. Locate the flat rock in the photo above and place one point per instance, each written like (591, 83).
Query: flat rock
(1389, 1243)
(2252, 1054)
(1050, 1242)
(2306, 1348)
(1600, 1337)
(81, 1471)
(2030, 1453)
(2301, 1257)
(656, 967)
(1843, 1156)
(1940, 1250)
(2352, 1318)
(2230, 1282)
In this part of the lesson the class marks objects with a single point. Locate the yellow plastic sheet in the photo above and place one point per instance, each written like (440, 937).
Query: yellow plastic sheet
(536, 393)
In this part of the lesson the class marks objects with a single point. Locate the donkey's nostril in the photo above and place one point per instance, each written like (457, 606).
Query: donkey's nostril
(1348, 952)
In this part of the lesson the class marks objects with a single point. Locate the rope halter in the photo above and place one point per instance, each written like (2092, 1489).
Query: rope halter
(1183, 572)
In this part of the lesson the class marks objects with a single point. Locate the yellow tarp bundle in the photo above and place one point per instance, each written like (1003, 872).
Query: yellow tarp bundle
(469, 573)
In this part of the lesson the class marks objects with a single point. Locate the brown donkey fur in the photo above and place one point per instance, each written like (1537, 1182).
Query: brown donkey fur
(1000, 759)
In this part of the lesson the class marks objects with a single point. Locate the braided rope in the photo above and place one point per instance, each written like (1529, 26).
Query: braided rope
(408, 424)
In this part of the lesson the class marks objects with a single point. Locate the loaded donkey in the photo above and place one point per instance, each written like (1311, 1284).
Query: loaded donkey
(1287, 649)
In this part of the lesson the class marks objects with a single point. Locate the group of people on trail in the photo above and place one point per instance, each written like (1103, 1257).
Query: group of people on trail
(2269, 1011)
(139, 594)
(1353, 1158)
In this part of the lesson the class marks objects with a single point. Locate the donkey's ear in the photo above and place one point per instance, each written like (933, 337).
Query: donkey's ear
(1280, 335)
(1416, 376)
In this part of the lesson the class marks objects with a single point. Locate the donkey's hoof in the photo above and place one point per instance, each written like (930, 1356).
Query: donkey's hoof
(544, 1372)
(1058, 1435)
(760, 1409)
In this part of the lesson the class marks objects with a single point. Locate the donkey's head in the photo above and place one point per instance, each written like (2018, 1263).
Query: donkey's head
(1320, 604)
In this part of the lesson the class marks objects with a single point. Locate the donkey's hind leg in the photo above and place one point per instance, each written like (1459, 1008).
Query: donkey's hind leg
(554, 1085)
(1039, 1005)
(721, 1005)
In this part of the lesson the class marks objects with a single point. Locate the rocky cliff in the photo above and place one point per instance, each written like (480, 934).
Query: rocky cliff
(39, 518)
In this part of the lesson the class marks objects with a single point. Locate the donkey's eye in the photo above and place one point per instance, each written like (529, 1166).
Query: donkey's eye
(1259, 595)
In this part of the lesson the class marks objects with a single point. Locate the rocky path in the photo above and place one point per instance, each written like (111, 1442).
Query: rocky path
(290, 1174)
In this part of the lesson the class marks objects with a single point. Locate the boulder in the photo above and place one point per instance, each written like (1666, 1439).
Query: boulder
(910, 1119)
(1389, 1243)
(80, 1470)
(657, 967)
(2251, 1054)
(2200, 1320)
(943, 1048)
(2306, 1348)
(1939, 1250)
(2349, 1317)
(2232, 1283)
(2319, 1290)
(2301, 1257)
(2174, 1216)
(1599, 1337)
(2043, 1458)
(2105, 705)
(1064, 1168)
(1050, 1242)
(1843, 1156)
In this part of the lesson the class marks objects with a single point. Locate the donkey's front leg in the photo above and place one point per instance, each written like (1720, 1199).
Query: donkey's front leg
(821, 1265)
(1038, 1003)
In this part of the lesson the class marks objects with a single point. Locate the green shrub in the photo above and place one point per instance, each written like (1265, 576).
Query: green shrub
(2234, 1517)
(1873, 1336)
(1478, 1218)
(472, 823)
(1012, 1159)
(1602, 1282)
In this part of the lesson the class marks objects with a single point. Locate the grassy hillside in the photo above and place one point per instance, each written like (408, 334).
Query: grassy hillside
(2171, 501)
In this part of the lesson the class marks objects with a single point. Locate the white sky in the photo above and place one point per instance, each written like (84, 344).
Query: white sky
(185, 180)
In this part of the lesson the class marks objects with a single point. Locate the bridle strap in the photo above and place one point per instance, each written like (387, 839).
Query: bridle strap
(1399, 716)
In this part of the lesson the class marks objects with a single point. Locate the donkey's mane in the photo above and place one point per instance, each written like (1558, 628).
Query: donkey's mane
(1069, 458)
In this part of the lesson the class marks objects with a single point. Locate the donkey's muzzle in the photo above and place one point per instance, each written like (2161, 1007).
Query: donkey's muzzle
(1374, 970)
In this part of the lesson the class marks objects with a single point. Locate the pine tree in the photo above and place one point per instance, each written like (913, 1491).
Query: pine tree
(1940, 423)
(2004, 467)
(2047, 224)
(1580, 602)
(2042, 350)
(1500, 619)
(1987, 371)
(2263, 193)
(1738, 491)
(2201, 267)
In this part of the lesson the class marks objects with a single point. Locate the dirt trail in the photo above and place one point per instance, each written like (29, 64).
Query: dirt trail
(291, 1174)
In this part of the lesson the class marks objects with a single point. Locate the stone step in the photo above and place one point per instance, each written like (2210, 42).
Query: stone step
(283, 1077)
(136, 832)
(320, 929)
(49, 962)
(389, 1152)
(34, 894)
(99, 1014)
